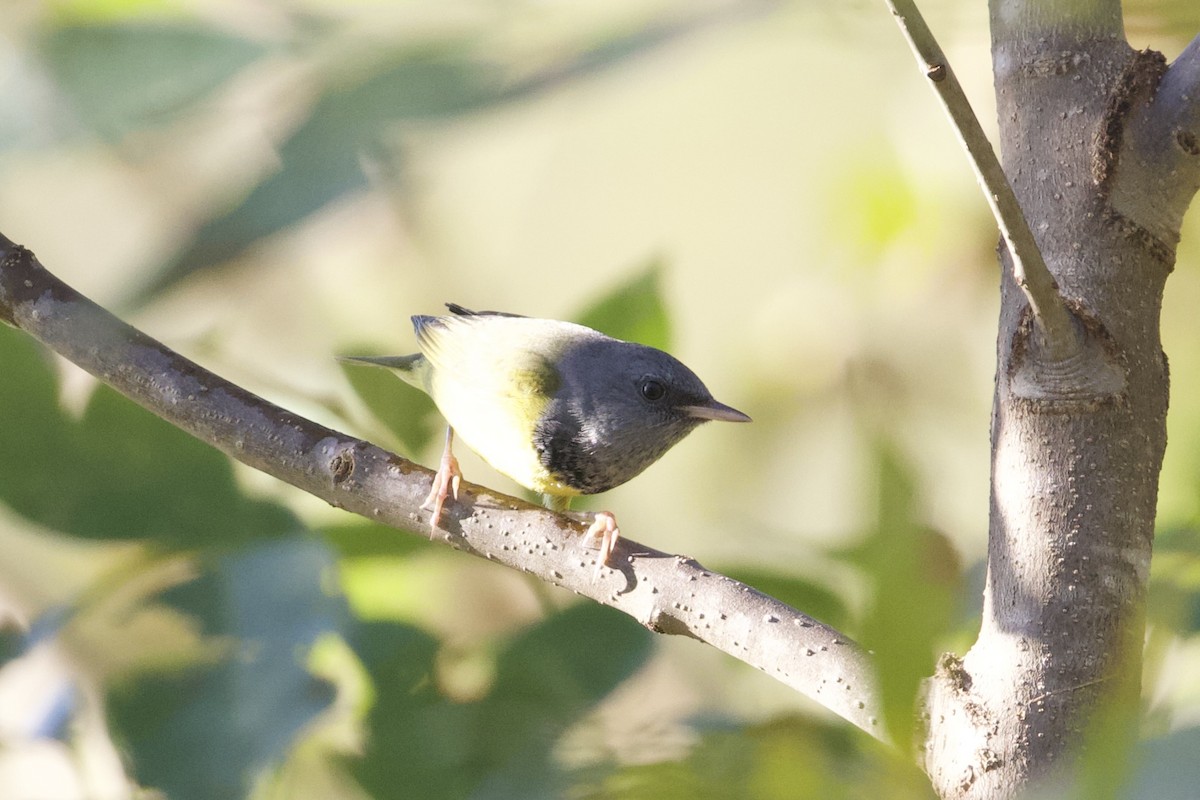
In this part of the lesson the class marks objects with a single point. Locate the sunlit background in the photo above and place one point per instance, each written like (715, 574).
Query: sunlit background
(766, 189)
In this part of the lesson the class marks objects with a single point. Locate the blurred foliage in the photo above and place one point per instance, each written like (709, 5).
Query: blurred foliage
(1168, 768)
(406, 412)
(115, 472)
(501, 745)
(203, 727)
(1175, 579)
(360, 538)
(786, 758)
(320, 160)
(119, 78)
(633, 311)
(356, 114)
(210, 727)
(200, 615)
(915, 580)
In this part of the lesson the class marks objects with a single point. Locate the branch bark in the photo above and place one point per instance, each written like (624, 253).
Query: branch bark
(667, 593)
(1077, 443)
(1159, 145)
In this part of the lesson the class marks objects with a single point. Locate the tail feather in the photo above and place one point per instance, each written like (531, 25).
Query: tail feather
(411, 368)
(402, 363)
(461, 311)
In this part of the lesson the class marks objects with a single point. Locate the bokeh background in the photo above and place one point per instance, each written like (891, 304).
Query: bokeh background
(766, 189)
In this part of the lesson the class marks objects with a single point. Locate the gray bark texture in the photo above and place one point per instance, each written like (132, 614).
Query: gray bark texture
(1099, 142)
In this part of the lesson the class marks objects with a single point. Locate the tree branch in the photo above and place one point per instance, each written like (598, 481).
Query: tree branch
(1086, 19)
(1057, 331)
(666, 593)
(1155, 162)
(1050, 687)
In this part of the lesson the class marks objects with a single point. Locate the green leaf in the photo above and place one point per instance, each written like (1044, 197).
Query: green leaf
(547, 678)
(1174, 599)
(209, 730)
(560, 668)
(915, 577)
(404, 410)
(321, 160)
(871, 203)
(399, 658)
(12, 641)
(633, 311)
(790, 757)
(363, 538)
(119, 472)
(415, 736)
(120, 77)
(1168, 768)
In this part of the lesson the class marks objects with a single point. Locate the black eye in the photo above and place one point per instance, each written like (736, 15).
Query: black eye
(653, 390)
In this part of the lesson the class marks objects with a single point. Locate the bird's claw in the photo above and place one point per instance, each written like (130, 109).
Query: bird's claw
(445, 483)
(604, 525)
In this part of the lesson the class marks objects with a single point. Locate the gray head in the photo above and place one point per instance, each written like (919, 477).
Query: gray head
(618, 407)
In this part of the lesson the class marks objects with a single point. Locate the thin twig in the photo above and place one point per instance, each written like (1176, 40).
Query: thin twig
(1058, 334)
(666, 593)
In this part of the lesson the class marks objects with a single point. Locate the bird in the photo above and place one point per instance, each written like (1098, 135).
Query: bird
(560, 408)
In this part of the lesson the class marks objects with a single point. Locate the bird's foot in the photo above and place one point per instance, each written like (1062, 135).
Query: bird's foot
(445, 483)
(604, 526)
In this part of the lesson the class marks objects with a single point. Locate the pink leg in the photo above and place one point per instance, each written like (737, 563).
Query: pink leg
(604, 525)
(445, 483)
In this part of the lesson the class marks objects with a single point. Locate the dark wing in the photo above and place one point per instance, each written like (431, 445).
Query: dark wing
(458, 310)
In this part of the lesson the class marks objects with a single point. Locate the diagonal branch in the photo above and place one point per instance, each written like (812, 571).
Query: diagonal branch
(667, 593)
(1058, 334)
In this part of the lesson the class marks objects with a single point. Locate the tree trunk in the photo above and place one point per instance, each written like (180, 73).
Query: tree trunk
(1052, 682)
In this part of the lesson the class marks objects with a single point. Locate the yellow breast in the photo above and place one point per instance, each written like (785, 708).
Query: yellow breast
(492, 383)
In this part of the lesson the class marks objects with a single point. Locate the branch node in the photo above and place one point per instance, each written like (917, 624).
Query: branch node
(1187, 142)
(1089, 376)
(1138, 81)
(1162, 251)
(12, 258)
(342, 466)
